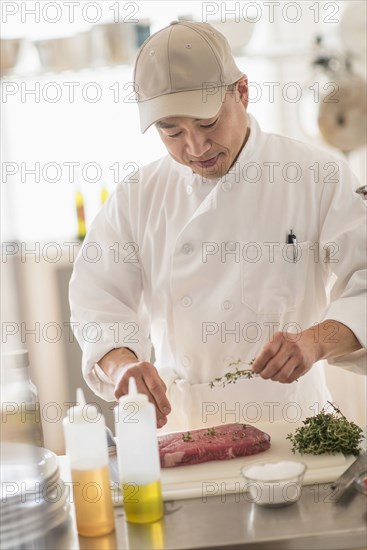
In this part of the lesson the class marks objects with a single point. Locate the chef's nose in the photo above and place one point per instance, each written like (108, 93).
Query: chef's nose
(197, 144)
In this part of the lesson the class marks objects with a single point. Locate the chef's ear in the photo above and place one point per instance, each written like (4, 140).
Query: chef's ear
(242, 88)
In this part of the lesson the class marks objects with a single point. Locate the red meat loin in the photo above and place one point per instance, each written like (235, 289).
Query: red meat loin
(219, 443)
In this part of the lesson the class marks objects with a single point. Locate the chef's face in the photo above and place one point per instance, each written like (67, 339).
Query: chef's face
(209, 146)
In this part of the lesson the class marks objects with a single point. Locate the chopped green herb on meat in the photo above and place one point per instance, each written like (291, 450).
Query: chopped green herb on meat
(187, 437)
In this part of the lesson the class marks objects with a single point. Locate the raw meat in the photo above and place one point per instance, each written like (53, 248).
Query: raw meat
(219, 443)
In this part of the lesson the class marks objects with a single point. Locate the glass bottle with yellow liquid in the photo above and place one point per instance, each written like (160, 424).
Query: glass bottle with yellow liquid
(138, 457)
(20, 407)
(80, 213)
(86, 446)
(104, 195)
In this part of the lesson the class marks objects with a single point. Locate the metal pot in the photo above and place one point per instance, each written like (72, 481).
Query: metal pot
(66, 53)
(117, 43)
(343, 114)
(10, 48)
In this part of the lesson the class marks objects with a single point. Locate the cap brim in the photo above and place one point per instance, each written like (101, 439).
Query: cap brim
(203, 103)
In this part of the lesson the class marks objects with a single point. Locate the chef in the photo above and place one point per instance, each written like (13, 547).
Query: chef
(239, 245)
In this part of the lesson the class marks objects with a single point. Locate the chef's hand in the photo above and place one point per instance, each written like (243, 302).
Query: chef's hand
(149, 382)
(120, 364)
(289, 356)
(286, 357)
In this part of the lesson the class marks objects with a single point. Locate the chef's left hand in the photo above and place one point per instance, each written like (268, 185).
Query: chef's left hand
(287, 357)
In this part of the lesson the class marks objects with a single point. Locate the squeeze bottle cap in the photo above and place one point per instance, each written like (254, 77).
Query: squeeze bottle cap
(80, 397)
(133, 390)
(15, 359)
(133, 396)
(80, 413)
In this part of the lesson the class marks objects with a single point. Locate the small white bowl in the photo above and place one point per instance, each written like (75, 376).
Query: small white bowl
(274, 483)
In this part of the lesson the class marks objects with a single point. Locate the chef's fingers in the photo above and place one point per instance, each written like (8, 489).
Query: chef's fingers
(297, 372)
(161, 418)
(275, 366)
(154, 387)
(144, 373)
(158, 389)
(286, 374)
(140, 371)
(267, 353)
(122, 386)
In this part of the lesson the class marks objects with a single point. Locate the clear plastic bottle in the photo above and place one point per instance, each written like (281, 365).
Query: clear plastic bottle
(20, 408)
(86, 447)
(138, 457)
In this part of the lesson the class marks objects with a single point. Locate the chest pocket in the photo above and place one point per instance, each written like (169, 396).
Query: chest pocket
(275, 282)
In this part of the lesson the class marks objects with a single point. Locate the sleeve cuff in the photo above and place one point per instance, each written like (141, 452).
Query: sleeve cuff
(348, 311)
(96, 378)
(342, 312)
(354, 362)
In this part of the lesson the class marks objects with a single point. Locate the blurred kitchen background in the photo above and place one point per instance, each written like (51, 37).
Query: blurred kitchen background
(70, 133)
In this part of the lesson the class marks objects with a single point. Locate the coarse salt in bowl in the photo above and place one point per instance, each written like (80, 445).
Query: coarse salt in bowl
(274, 483)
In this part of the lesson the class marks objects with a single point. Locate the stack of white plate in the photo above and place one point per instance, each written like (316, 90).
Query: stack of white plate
(34, 500)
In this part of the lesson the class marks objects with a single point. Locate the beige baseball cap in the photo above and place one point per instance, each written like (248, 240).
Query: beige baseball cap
(182, 70)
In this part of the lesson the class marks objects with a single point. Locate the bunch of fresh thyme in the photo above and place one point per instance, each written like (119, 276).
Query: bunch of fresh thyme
(233, 376)
(327, 433)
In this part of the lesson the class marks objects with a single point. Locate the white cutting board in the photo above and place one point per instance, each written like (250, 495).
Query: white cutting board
(223, 476)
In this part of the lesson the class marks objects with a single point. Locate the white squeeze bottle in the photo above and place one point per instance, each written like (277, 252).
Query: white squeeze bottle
(86, 446)
(138, 457)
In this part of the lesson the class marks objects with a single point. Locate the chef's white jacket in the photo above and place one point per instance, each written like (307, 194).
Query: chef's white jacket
(202, 270)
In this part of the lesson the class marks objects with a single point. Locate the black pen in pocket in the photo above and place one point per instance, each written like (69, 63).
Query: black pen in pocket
(292, 239)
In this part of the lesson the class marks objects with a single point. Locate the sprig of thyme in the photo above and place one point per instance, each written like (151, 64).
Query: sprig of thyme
(232, 376)
(327, 432)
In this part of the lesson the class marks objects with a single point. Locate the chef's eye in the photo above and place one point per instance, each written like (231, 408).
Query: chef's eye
(210, 125)
(174, 135)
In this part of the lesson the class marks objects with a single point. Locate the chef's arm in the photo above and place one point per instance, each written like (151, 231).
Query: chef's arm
(288, 356)
(105, 296)
(340, 337)
(332, 339)
(346, 269)
(121, 363)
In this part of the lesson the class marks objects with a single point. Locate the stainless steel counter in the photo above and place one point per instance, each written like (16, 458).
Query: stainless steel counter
(231, 521)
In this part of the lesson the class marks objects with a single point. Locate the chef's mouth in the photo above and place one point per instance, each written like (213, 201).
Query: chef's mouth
(207, 163)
